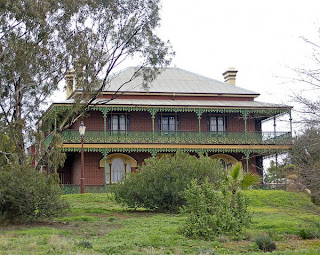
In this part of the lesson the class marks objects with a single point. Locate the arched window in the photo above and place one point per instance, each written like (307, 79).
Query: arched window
(117, 170)
(117, 165)
(227, 161)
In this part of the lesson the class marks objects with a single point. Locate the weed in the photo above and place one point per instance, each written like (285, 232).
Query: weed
(309, 233)
(204, 251)
(223, 239)
(85, 244)
(265, 243)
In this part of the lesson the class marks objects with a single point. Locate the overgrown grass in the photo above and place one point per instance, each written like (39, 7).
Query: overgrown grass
(96, 225)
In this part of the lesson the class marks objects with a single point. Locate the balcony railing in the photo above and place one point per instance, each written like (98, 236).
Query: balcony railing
(181, 137)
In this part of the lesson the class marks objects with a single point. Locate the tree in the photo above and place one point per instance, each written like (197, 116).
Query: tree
(305, 152)
(308, 97)
(276, 173)
(305, 155)
(41, 40)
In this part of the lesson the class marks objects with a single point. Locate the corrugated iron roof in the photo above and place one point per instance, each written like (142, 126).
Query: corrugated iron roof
(174, 80)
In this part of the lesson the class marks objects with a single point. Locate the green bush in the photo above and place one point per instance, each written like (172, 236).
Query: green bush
(26, 195)
(211, 213)
(160, 183)
(265, 243)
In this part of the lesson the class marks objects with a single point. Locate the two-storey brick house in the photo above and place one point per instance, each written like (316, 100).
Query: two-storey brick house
(179, 111)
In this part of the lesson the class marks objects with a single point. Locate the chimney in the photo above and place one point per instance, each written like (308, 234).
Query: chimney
(230, 76)
(69, 82)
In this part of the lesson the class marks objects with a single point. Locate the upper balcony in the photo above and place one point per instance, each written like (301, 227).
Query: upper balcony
(178, 137)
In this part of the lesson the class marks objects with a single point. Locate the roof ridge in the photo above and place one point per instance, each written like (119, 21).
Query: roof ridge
(211, 79)
(175, 80)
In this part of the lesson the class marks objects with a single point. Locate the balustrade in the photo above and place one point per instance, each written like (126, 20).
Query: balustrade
(179, 137)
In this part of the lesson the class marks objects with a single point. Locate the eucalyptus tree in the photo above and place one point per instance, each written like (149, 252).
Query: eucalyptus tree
(41, 39)
(308, 78)
(305, 156)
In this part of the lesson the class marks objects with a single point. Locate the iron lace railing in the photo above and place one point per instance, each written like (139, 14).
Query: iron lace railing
(181, 137)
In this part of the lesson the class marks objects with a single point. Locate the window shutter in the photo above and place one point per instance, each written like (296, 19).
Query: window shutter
(159, 121)
(178, 125)
(225, 124)
(208, 122)
(128, 120)
(109, 121)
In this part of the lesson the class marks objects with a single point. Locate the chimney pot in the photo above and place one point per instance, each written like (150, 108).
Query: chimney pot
(69, 82)
(230, 76)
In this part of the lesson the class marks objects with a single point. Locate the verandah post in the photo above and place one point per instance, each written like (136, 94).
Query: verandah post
(105, 153)
(245, 116)
(247, 160)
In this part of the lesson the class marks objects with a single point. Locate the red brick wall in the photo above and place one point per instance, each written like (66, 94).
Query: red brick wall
(140, 121)
(76, 169)
(140, 156)
(93, 174)
(93, 121)
(188, 121)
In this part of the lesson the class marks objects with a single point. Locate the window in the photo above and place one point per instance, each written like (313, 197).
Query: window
(118, 169)
(168, 122)
(217, 123)
(119, 122)
(116, 165)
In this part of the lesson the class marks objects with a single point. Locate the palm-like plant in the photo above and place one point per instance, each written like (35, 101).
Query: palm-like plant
(236, 180)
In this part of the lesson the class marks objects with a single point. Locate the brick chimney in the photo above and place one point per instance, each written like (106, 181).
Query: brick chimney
(230, 76)
(69, 82)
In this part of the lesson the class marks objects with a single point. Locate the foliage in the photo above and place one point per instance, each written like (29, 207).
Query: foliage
(265, 243)
(144, 232)
(310, 233)
(305, 155)
(85, 244)
(27, 195)
(237, 180)
(211, 213)
(41, 40)
(278, 173)
(160, 183)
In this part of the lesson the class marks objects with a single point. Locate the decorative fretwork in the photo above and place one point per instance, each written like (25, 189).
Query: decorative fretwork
(133, 137)
(154, 151)
(153, 110)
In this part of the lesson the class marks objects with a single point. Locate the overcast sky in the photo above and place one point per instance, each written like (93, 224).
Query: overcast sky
(261, 39)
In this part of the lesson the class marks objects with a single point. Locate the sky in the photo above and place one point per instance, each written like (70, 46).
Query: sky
(261, 39)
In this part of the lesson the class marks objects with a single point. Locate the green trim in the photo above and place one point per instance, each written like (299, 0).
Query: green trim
(144, 137)
(173, 150)
(197, 110)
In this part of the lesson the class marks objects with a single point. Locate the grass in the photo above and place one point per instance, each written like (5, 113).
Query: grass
(96, 225)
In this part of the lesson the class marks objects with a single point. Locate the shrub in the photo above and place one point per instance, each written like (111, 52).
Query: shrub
(211, 213)
(160, 182)
(265, 243)
(26, 195)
